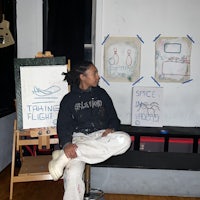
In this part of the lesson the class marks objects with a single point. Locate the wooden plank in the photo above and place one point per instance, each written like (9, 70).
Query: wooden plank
(39, 177)
(35, 164)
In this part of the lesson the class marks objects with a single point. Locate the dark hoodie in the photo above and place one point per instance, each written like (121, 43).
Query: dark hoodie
(86, 112)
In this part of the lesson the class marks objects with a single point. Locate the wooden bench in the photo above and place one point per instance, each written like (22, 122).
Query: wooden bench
(134, 158)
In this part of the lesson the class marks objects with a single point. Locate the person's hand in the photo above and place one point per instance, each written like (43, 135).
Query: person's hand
(70, 150)
(107, 131)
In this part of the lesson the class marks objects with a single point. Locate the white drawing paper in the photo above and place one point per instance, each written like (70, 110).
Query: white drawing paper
(172, 59)
(122, 59)
(147, 106)
(42, 88)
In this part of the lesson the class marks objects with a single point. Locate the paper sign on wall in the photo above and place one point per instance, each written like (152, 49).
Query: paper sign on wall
(147, 106)
(122, 59)
(172, 61)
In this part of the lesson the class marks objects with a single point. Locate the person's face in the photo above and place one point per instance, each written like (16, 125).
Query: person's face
(90, 78)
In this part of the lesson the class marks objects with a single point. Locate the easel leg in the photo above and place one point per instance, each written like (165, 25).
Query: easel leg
(13, 162)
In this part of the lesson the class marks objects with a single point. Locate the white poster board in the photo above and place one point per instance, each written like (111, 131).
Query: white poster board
(42, 89)
(147, 106)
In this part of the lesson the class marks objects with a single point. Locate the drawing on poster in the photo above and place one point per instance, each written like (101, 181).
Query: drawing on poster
(122, 59)
(42, 88)
(147, 106)
(172, 59)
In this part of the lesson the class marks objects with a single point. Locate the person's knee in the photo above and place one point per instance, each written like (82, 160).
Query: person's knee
(124, 139)
(127, 139)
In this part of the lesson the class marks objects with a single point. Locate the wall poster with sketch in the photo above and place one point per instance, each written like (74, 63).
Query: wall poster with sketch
(122, 59)
(172, 59)
(39, 90)
(147, 106)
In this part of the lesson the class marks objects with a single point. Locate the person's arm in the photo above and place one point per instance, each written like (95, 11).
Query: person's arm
(113, 120)
(64, 123)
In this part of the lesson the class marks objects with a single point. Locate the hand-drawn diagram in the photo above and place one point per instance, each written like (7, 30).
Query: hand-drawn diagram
(172, 59)
(46, 92)
(41, 95)
(147, 106)
(150, 109)
(122, 59)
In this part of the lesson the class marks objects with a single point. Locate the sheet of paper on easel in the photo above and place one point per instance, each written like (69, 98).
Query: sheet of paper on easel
(42, 88)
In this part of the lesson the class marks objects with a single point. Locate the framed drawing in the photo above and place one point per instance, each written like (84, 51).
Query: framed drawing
(172, 59)
(122, 59)
(147, 106)
(39, 90)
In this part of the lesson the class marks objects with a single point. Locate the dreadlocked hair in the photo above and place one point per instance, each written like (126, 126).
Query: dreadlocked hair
(73, 76)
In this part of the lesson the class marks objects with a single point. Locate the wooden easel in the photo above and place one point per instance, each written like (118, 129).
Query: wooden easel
(33, 167)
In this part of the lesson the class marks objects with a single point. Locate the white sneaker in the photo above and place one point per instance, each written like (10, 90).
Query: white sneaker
(56, 153)
(56, 166)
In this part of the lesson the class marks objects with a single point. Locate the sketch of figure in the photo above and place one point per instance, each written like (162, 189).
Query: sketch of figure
(114, 60)
(129, 59)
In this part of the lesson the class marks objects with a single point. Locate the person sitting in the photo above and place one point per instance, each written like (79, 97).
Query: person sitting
(88, 130)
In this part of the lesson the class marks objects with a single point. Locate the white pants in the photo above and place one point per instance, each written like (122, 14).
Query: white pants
(92, 149)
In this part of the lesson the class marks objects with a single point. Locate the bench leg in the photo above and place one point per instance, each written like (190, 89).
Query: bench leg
(87, 180)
